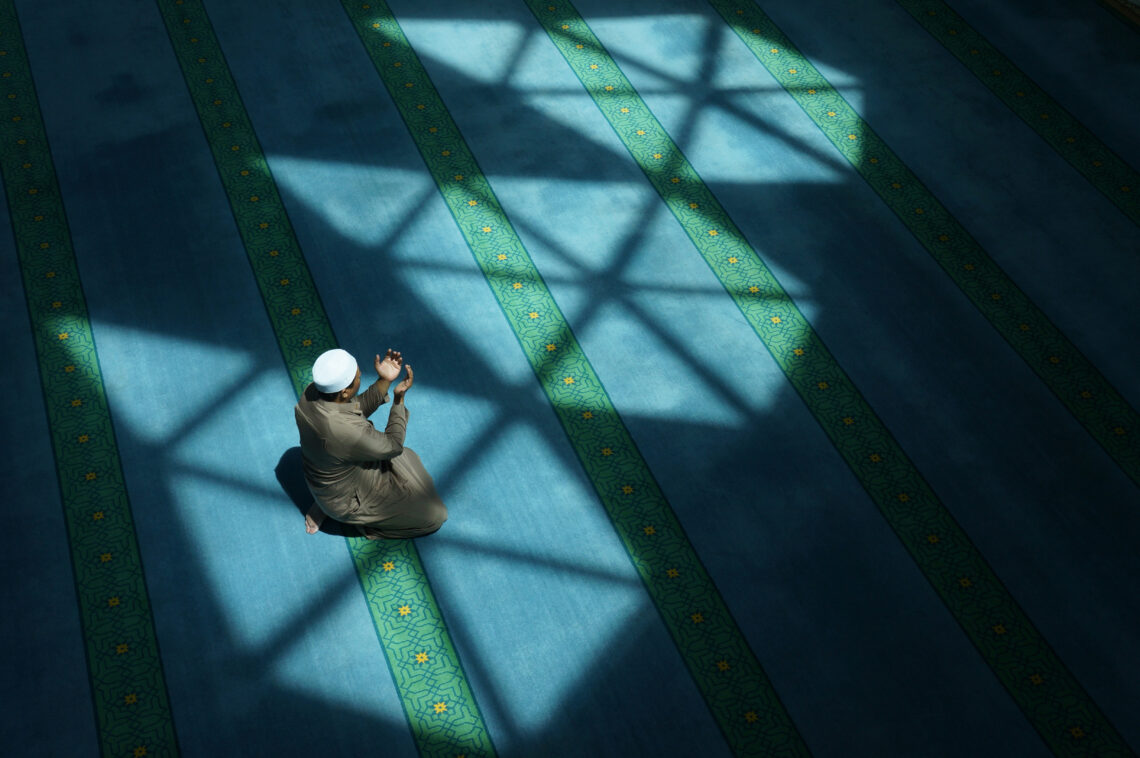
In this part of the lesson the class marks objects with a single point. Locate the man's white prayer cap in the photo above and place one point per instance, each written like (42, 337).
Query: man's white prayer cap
(334, 370)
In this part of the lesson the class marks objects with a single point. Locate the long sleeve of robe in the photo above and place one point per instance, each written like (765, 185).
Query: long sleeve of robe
(360, 475)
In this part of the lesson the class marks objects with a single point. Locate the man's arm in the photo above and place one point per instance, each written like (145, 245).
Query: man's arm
(373, 445)
(373, 397)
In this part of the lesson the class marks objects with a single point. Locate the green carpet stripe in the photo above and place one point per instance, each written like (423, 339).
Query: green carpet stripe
(132, 706)
(1039, 682)
(1104, 169)
(725, 669)
(440, 707)
(1057, 362)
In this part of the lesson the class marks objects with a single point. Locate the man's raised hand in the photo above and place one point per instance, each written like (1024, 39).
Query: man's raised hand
(404, 386)
(389, 368)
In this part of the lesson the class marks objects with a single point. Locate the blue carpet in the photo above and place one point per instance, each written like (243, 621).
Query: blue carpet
(267, 645)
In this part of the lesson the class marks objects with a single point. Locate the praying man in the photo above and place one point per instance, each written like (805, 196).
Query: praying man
(357, 474)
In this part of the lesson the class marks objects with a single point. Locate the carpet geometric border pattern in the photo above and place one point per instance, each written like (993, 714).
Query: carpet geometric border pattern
(441, 710)
(1043, 688)
(1072, 377)
(128, 687)
(1072, 140)
(725, 669)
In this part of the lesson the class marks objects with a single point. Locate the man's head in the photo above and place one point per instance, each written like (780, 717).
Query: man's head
(336, 375)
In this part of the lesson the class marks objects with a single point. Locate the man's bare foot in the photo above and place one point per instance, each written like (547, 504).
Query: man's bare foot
(313, 519)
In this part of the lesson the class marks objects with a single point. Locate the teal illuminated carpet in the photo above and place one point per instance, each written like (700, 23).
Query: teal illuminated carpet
(777, 363)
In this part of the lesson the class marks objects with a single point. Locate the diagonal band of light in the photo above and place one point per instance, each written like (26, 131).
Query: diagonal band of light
(725, 669)
(1072, 377)
(128, 687)
(1047, 693)
(437, 700)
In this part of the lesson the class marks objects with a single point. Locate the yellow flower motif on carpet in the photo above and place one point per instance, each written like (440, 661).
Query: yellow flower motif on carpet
(933, 539)
(56, 304)
(852, 137)
(672, 573)
(63, 335)
(568, 380)
(751, 717)
(121, 648)
(723, 665)
(1036, 678)
(627, 490)
(676, 180)
(995, 297)
(609, 88)
(421, 657)
(440, 707)
(823, 385)
(831, 113)
(734, 259)
(397, 64)
(97, 515)
(274, 253)
(587, 415)
(593, 65)
(445, 153)
(919, 211)
(91, 476)
(811, 91)
(713, 232)
(245, 172)
(1023, 327)
(697, 618)
(1086, 394)
(263, 225)
(306, 343)
(904, 498)
(649, 530)
(501, 256)
(776, 320)
(284, 282)
(486, 230)
(792, 71)
(774, 50)
(848, 421)
(533, 314)
(113, 601)
(296, 311)
(517, 285)
(405, 610)
(83, 438)
(566, 26)
(131, 699)
(551, 347)
(999, 629)
(607, 451)
(50, 275)
(625, 110)
(657, 156)
(472, 203)
(753, 289)
(640, 132)
(798, 351)
(140, 751)
(433, 129)
(875, 457)
(579, 46)
(965, 582)
(105, 558)
(388, 565)
(76, 403)
(694, 206)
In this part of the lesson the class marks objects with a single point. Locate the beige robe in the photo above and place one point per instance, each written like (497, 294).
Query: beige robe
(362, 476)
